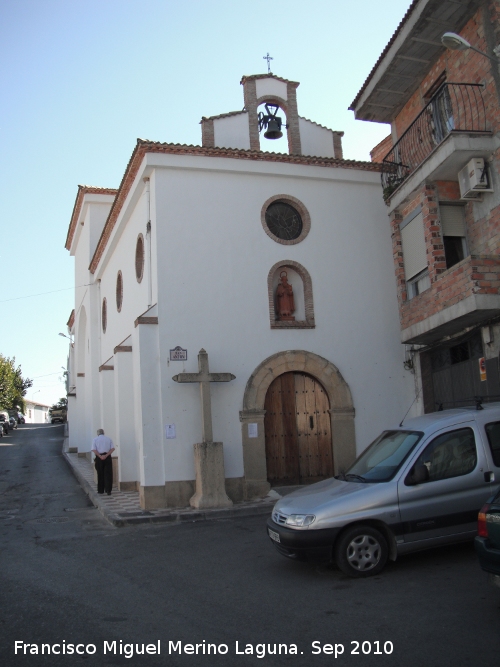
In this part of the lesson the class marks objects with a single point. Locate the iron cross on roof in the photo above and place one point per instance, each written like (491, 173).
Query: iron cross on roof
(268, 58)
(204, 377)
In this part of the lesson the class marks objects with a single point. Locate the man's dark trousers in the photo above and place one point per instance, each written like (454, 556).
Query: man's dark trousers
(104, 474)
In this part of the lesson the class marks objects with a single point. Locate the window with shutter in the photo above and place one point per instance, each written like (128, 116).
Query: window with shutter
(415, 255)
(414, 251)
(453, 231)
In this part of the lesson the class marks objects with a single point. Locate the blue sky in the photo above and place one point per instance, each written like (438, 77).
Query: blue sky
(81, 80)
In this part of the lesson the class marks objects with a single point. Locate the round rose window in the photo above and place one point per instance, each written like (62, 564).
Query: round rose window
(284, 221)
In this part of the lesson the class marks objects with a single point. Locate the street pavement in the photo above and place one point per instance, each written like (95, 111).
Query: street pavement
(68, 577)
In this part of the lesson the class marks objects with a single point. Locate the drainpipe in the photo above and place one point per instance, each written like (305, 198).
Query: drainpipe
(148, 243)
(492, 38)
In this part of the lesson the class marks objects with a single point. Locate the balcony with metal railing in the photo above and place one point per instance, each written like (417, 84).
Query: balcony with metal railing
(455, 109)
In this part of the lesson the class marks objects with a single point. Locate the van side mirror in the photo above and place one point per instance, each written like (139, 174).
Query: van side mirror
(417, 475)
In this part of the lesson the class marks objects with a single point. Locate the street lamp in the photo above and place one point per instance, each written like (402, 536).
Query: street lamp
(64, 336)
(457, 43)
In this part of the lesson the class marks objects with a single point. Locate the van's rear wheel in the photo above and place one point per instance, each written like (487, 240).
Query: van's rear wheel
(361, 551)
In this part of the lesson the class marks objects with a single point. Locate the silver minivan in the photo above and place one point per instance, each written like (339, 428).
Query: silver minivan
(418, 485)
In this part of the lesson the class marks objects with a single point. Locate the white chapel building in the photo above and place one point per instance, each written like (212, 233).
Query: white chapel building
(279, 266)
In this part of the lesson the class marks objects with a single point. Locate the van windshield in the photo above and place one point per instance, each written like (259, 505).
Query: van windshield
(383, 458)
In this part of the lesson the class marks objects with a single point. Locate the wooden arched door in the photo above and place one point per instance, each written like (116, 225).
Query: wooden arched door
(297, 430)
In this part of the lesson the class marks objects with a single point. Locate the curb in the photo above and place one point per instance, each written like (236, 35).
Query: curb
(187, 515)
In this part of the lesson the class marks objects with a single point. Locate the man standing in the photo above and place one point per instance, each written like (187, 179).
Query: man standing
(102, 446)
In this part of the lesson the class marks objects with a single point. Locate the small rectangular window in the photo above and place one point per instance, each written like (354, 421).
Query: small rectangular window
(460, 352)
(453, 231)
(444, 357)
(418, 284)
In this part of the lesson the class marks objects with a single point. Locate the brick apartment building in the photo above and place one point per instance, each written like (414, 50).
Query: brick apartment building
(444, 111)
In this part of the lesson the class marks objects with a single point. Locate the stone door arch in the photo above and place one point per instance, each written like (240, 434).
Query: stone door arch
(253, 437)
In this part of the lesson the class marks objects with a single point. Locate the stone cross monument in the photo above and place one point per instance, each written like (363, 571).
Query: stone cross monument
(208, 455)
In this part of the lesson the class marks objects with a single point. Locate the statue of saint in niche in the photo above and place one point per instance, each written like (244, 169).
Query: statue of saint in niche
(284, 299)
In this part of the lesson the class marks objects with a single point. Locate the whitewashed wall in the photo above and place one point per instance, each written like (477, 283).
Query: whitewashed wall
(232, 131)
(270, 87)
(213, 291)
(135, 294)
(210, 263)
(86, 416)
(315, 139)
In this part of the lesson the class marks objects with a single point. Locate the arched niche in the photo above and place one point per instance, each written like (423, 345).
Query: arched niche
(252, 415)
(301, 282)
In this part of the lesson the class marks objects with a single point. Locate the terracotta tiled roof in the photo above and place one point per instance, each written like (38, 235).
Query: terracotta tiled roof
(223, 115)
(384, 52)
(143, 146)
(71, 320)
(36, 403)
(82, 191)
(267, 76)
(323, 126)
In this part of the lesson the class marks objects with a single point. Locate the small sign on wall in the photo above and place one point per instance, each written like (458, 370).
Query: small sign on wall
(482, 369)
(253, 431)
(178, 354)
(170, 431)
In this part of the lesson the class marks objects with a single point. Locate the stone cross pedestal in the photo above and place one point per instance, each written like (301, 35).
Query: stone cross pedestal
(208, 455)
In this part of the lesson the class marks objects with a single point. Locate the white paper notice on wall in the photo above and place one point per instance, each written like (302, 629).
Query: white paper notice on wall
(253, 431)
(170, 431)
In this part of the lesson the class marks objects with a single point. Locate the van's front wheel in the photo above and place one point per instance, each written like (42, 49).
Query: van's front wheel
(361, 551)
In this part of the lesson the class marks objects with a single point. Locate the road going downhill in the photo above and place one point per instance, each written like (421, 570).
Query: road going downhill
(67, 577)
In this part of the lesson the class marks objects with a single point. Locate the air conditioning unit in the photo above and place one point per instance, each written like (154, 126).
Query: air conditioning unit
(473, 179)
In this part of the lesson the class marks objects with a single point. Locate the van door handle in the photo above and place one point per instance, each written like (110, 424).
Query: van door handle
(489, 476)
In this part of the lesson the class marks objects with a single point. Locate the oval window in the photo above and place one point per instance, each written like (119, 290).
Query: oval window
(119, 291)
(104, 315)
(139, 258)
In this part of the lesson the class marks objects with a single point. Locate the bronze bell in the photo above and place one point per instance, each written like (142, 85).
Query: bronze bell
(273, 129)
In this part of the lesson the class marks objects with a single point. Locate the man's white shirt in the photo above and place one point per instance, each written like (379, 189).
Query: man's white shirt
(102, 444)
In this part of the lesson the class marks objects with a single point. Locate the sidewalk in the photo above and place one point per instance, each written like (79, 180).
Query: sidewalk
(122, 507)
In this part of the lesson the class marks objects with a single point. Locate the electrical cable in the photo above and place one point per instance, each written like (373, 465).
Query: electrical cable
(29, 296)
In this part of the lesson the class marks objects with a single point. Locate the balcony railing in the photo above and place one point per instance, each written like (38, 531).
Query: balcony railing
(456, 107)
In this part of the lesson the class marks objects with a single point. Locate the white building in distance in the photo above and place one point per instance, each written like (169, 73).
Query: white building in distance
(196, 250)
(36, 413)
